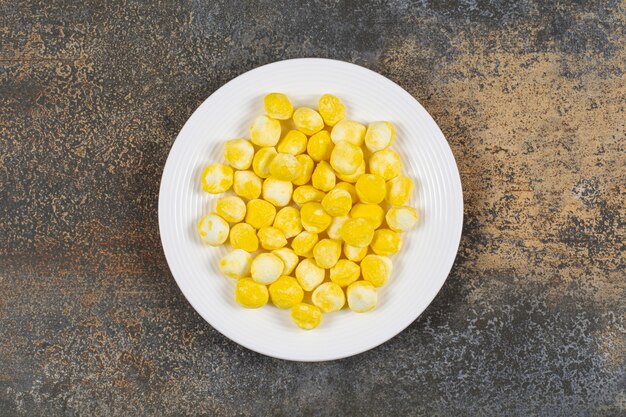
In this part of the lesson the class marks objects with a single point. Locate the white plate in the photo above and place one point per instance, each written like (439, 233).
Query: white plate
(420, 268)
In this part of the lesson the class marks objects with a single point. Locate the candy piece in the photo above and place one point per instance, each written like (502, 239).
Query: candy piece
(247, 184)
(346, 158)
(307, 120)
(285, 167)
(236, 264)
(313, 217)
(265, 131)
(354, 253)
(370, 188)
(213, 229)
(376, 269)
(401, 219)
(337, 202)
(361, 296)
(251, 294)
(348, 130)
(331, 109)
(386, 164)
(386, 242)
(278, 106)
(320, 147)
(328, 297)
(349, 188)
(289, 258)
(352, 178)
(259, 213)
(306, 169)
(357, 232)
(372, 212)
(262, 160)
(335, 226)
(217, 178)
(379, 136)
(285, 292)
(306, 316)
(271, 238)
(303, 243)
(323, 177)
(277, 192)
(243, 236)
(239, 153)
(266, 268)
(309, 275)
(306, 194)
(399, 190)
(231, 208)
(288, 221)
(327, 252)
(293, 143)
(344, 273)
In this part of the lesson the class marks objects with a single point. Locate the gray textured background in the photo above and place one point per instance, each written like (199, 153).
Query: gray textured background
(531, 97)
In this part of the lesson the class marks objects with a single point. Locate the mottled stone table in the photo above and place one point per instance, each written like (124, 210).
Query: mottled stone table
(531, 97)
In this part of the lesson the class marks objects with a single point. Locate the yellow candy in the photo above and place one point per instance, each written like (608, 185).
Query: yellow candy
(331, 109)
(217, 178)
(386, 242)
(236, 264)
(293, 143)
(306, 316)
(307, 120)
(323, 177)
(213, 229)
(289, 258)
(265, 131)
(247, 184)
(285, 167)
(239, 153)
(335, 226)
(348, 130)
(349, 188)
(262, 160)
(303, 243)
(288, 221)
(278, 106)
(306, 169)
(376, 269)
(328, 297)
(401, 219)
(353, 177)
(320, 147)
(399, 190)
(286, 292)
(357, 232)
(344, 273)
(277, 192)
(231, 208)
(379, 136)
(260, 213)
(386, 164)
(326, 253)
(372, 212)
(266, 268)
(313, 217)
(271, 238)
(353, 253)
(346, 158)
(243, 236)
(309, 275)
(361, 296)
(306, 194)
(337, 202)
(250, 294)
(371, 188)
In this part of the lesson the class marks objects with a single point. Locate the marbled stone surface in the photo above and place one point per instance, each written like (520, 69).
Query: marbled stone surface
(531, 97)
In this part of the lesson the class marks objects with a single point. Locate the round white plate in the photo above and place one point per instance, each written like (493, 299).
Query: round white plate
(420, 268)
